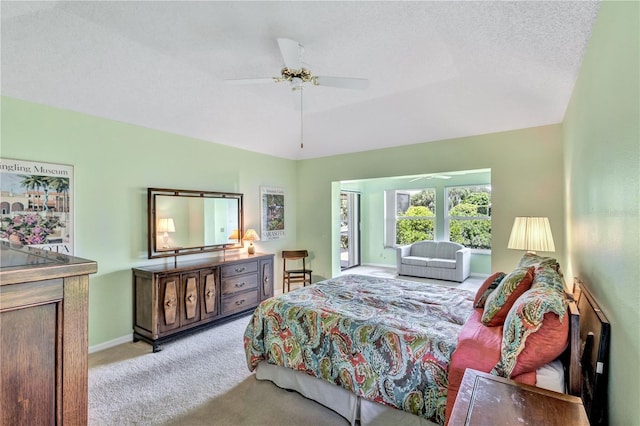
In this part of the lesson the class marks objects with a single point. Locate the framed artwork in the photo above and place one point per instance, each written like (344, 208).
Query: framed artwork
(272, 209)
(36, 204)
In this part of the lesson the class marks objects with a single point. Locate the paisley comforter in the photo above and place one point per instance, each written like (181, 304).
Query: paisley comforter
(386, 340)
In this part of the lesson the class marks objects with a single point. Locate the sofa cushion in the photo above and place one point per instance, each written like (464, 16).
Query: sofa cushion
(424, 249)
(501, 299)
(535, 332)
(442, 263)
(415, 261)
(486, 288)
(447, 249)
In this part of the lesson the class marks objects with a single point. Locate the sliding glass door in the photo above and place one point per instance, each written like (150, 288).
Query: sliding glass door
(349, 229)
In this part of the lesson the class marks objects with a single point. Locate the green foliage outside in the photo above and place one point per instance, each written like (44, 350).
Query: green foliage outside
(463, 202)
(467, 203)
(411, 230)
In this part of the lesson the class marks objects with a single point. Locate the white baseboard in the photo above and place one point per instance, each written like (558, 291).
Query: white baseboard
(111, 343)
(379, 265)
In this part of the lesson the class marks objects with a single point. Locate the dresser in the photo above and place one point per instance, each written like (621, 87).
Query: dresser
(170, 301)
(43, 336)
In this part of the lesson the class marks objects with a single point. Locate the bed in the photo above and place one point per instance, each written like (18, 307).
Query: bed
(382, 351)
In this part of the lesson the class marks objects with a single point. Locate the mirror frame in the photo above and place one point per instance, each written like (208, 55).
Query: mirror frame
(152, 221)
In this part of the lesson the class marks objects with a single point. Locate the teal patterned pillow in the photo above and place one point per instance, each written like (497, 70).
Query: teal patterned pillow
(532, 259)
(548, 277)
(501, 299)
(537, 318)
(487, 287)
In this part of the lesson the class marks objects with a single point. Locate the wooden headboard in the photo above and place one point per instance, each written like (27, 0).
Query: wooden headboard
(588, 354)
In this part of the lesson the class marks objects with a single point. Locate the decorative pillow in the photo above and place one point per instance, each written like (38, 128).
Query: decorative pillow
(501, 299)
(532, 259)
(547, 277)
(486, 288)
(534, 333)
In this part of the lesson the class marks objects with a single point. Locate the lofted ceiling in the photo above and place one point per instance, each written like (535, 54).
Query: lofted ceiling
(436, 70)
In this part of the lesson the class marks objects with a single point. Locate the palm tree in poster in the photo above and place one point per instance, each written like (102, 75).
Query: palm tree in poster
(61, 186)
(31, 182)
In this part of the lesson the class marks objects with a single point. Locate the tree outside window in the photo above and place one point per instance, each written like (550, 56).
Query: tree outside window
(468, 218)
(415, 216)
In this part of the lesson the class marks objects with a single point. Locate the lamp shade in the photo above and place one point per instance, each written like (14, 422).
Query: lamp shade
(531, 234)
(166, 225)
(251, 235)
(235, 235)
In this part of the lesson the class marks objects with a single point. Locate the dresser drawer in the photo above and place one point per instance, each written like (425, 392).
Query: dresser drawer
(239, 269)
(238, 284)
(239, 302)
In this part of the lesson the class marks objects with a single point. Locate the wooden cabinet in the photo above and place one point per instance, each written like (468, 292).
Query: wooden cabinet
(169, 301)
(43, 336)
(492, 400)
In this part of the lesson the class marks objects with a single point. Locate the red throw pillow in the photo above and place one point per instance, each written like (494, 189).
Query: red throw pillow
(486, 288)
(502, 298)
(543, 346)
(535, 332)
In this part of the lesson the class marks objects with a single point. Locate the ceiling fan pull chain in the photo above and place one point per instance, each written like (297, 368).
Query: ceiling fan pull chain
(301, 121)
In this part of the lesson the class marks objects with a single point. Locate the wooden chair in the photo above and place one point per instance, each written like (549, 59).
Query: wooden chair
(295, 275)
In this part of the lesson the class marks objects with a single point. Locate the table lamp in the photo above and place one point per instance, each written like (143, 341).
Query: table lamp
(251, 235)
(165, 225)
(531, 234)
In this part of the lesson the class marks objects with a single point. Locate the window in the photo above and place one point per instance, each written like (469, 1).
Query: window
(468, 216)
(410, 216)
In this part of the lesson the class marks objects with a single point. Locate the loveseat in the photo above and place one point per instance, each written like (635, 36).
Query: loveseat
(442, 260)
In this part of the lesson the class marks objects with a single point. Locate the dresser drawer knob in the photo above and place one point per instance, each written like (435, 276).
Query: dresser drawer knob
(240, 285)
(209, 293)
(190, 298)
(239, 269)
(239, 302)
(171, 302)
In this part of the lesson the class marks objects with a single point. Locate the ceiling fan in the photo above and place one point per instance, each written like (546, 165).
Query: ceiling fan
(295, 72)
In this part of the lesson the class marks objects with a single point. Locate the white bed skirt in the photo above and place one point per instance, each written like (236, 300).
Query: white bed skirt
(340, 400)
(367, 413)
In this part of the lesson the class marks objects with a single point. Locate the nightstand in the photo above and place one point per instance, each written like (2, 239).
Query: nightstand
(484, 399)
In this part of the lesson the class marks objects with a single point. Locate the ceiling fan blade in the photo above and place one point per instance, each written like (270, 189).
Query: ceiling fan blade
(291, 53)
(432, 176)
(343, 82)
(252, 80)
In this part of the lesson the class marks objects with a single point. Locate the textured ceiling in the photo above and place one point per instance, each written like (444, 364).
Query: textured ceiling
(437, 70)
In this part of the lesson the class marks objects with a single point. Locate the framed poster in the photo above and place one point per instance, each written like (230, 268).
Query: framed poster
(36, 204)
(272, 209)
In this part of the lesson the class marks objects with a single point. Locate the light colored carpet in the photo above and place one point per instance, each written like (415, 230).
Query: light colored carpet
(201, 379)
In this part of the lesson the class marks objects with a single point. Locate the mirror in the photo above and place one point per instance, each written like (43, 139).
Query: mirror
(188, 222)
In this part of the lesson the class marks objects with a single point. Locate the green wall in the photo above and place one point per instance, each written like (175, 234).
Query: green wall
(114, 164)
(526, 179)
(602, 164)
